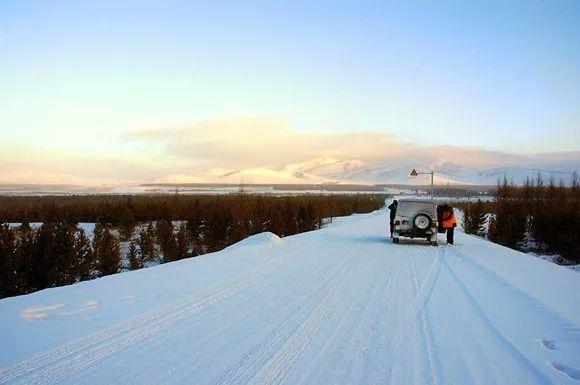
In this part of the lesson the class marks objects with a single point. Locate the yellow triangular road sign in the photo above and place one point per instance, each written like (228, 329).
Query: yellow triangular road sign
(414, 173)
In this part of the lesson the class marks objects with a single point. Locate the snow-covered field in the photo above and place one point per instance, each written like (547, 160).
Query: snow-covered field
(342, 305)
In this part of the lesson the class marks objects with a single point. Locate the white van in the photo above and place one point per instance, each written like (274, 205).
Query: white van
(416, 219)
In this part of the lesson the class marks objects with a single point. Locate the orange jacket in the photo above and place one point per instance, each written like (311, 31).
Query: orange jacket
(449, 220)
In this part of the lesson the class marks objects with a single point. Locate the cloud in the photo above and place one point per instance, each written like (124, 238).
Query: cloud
(242, 142)
(33, 165)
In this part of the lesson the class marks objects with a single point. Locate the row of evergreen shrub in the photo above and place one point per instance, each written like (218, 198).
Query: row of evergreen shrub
(546, 212)
(59, 253)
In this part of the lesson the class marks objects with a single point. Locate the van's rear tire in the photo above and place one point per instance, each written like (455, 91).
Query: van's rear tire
(395, 240)
(422, 222)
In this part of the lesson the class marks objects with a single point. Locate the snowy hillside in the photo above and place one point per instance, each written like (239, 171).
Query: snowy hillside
(342, 305)
(467, 169)
(447, 170)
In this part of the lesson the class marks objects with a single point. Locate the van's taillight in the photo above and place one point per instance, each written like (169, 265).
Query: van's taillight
(397, 222)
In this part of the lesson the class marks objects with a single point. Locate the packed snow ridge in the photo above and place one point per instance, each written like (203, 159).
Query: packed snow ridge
(342, 305)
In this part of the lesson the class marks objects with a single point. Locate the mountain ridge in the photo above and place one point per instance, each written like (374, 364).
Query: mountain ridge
(331, 170)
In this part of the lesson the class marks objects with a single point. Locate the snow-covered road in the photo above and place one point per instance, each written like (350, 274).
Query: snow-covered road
(341, 305)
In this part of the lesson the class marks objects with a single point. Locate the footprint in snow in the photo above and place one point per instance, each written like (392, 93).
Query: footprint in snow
(41, 311)
(569, 371)
(87, 306)
(548, 344)
(129, 298)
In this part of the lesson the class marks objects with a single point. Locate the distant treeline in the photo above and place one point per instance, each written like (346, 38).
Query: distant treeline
(455, 191)
(544, 212)
(157, 229)
(116, 209)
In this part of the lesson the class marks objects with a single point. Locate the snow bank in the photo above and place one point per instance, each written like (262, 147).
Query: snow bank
(546, 281)
(265, 239)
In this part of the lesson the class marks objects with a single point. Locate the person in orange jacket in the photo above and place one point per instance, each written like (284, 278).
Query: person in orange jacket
(449, 222)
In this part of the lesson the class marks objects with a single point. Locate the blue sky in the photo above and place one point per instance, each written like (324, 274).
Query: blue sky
(77, 76)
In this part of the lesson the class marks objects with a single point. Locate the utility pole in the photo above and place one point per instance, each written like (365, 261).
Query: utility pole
(432, 188)
(415, 173)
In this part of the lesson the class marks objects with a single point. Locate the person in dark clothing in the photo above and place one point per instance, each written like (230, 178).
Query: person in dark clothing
(449, 222)
(393, 212)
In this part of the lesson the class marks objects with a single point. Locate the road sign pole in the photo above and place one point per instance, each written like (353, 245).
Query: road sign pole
(415, 173)
(431, 184)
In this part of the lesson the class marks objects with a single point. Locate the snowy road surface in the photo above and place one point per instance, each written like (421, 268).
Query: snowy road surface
(341, 305)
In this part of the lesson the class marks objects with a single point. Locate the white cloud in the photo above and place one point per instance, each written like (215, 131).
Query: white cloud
(241, 142)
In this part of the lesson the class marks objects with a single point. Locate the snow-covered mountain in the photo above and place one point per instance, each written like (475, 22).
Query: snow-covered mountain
(393, 171)
(447, 173)
(257, 175)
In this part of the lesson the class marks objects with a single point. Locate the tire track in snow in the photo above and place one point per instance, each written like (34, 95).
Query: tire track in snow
(73, 357)
(405, 325)
(380, 289)
(501, 281)
(379, 340)
(260, 353)
(186, 366)
(361, 310)
(494, 331)
(278, 367)
(265, 362)
(425, 329)
(190, 363)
